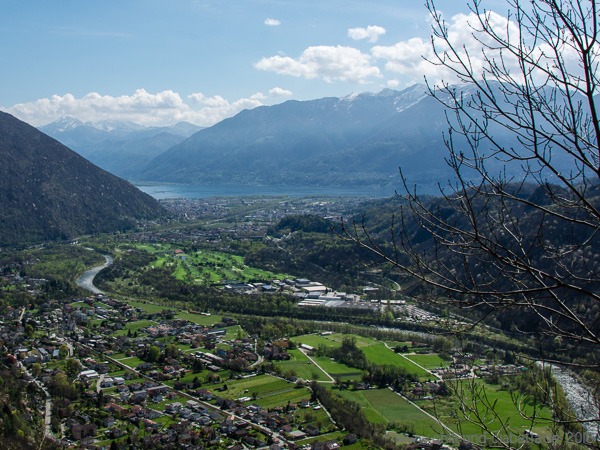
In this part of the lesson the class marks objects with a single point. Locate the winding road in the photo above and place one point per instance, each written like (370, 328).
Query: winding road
(86, 281)
(47, 404)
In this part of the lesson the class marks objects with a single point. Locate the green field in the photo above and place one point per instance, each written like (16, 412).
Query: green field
(189, 377)
(375, 351)
(335, 435)
(149, 308)
(132, 362)
(266, 390)
(429, 361)
(315, 340)
(302, 367)
(234, 332)
(259, 384)
(379, 354)
(385, 406)
(199, 319)
(448, 410)
(339, 370)
(282, 398)
(134, 326)
(269, 392)
(207, 267)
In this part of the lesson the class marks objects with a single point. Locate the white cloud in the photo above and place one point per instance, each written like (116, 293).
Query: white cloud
(407, 58)
(258, 96)
(329, 63)
(93, 106)
(405, 63)
(142, 107)
(371, 33)
(197, 97)
(272, 22)
(212, 102)
(411, 58)
(280, 92)
(213, 109)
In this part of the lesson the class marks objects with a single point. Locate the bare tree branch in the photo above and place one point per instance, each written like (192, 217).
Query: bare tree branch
(518, 227)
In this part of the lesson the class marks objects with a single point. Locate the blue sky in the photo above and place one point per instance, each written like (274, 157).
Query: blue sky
(159, 62)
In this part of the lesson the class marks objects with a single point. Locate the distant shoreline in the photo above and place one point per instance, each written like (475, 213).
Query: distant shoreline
(164, 191)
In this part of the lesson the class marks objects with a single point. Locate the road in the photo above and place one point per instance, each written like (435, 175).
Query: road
(86, 281)
(48, 404)
(99, 382)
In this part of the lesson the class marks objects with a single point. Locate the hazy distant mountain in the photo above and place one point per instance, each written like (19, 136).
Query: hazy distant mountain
(122, 148)
(356, 141)
(73, 131)
(359, 140)
(48, 191)
(352, 141)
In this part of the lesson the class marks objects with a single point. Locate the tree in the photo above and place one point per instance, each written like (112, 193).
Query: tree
(171, 351)
(36, 369)
(61, 387)
(152, 353)
(63, 351)
(517, 228)
(72, 367)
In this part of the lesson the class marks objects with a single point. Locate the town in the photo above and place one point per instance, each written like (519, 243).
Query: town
(140, 373)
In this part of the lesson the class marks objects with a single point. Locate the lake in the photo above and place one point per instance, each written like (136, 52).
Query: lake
(162, 191)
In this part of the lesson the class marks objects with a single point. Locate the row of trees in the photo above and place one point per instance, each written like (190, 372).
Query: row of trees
(347, 353)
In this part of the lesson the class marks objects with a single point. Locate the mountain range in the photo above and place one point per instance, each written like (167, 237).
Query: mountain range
(358, 140)
(48, 191)
(122, 148)
(355, 141)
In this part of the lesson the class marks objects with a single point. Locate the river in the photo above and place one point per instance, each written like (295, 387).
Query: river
(86, 281)
(580, 400)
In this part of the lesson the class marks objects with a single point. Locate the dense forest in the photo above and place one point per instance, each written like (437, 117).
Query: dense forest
(396, 230)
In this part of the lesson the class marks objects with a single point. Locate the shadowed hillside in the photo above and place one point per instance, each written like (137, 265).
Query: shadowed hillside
(47, 191)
